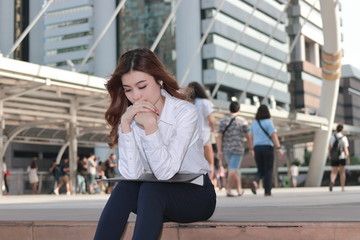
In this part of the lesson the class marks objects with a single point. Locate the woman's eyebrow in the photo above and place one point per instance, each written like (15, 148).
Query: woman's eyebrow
(141, 81)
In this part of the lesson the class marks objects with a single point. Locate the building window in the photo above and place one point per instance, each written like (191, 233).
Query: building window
(312, 52)
(69, 36)
(66, 24)
(25, 154)
(69, 11)
(74, 61)
(208, 64)
(65, 50)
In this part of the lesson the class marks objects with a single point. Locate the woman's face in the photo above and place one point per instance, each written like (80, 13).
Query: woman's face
(140, 86)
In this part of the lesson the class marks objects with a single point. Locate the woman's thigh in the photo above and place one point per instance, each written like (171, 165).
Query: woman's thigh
(181, 202)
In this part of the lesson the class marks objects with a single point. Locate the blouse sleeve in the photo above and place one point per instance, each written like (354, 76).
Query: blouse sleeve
(129, 157)
(208, 107)
(165, 159)
(271, 128)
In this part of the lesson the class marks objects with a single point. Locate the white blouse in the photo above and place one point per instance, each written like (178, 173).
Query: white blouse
(205, 108)
(175, 147)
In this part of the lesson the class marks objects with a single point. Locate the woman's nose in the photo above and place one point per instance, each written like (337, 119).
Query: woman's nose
(136, 94)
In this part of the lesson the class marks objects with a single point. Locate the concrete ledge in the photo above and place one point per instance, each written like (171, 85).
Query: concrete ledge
(193, 231)
(295, 214)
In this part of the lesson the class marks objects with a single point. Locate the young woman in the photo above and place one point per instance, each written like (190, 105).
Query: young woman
(33, 176)
(156, 131)
(264, 138)
(206, 120)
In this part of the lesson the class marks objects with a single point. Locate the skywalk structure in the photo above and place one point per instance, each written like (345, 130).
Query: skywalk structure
(236, 48)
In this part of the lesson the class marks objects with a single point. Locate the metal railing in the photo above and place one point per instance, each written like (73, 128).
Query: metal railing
(19, 184)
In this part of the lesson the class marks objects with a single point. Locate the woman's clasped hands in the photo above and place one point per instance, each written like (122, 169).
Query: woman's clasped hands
(145, 115)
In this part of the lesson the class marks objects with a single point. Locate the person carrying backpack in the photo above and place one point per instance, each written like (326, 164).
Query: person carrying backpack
(339, 156)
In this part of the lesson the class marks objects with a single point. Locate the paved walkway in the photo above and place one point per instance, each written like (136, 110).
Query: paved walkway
(286, 205)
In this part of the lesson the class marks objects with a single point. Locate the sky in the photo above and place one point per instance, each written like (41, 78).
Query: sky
(350, 15)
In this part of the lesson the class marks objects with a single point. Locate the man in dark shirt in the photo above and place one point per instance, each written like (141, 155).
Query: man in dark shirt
(64, 177)
(110, 166)
(82, 169)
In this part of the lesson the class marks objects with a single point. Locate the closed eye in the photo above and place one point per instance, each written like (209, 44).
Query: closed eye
(142, 87)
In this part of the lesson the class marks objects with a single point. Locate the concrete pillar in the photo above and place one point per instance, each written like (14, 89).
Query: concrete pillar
(6, 30)
(106, 49)
(36, 35)
(330, 87)
(61, 152)
(73, 146)
(317, 57)
(187, 41)
(298, 54)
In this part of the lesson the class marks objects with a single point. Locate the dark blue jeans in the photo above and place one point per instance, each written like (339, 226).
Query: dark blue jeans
(154, 203)
(264, 158)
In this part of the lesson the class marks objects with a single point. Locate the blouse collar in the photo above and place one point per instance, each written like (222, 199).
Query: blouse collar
(167, 114)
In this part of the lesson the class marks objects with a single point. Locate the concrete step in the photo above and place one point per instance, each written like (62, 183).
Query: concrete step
(17, 230)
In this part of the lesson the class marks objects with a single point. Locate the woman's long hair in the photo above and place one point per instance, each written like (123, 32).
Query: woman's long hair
(142, 60)
(196, 91)
(262, 112)
(33, 165)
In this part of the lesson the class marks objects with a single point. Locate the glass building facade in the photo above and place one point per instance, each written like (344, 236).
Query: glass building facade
(139, 24)
(68, 34)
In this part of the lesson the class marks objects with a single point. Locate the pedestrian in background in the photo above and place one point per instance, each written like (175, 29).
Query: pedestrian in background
(33, 176)
(341, 158)
(110, 165)
(5, 173)
(264, 137)
(56, 172)
(230, 144)
(294, 172)
(81, 174)
(91, 167)
(206, 120)
(64, 177)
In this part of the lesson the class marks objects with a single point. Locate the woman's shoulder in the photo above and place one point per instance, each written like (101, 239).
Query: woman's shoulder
(266, 121)
(177, 104)
(180, 105)
(205, 101)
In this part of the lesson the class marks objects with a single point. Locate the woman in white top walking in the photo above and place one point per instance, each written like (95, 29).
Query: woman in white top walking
(156, 131)
(206, 120)
(33, 176)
